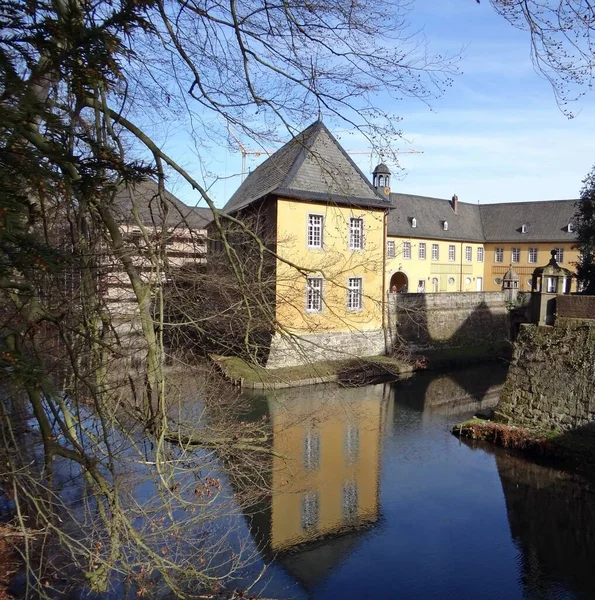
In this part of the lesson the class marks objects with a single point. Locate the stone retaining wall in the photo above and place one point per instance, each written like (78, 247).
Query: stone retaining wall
(551, 381)
(575, 307)
(290, 351)
(441, 320)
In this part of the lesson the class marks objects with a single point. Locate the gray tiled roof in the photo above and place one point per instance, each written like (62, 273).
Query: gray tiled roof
(430, 214)
(147, 201)
(312, 166)
(546, 221)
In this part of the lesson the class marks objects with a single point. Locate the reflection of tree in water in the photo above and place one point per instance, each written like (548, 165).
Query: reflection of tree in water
(552, 519)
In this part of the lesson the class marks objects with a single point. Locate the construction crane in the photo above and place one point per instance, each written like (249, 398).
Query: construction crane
(245, 151)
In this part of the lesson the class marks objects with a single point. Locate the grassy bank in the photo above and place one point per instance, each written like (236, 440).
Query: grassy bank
(248, 374)
(572, 449)
(354, 370)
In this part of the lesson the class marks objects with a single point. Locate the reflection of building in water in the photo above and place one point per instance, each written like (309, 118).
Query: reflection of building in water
(325, 472)
(552, 520)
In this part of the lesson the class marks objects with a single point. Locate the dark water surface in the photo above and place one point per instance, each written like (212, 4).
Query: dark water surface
(405, 509)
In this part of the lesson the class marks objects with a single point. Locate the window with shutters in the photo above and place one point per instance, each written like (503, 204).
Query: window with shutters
(315, 231)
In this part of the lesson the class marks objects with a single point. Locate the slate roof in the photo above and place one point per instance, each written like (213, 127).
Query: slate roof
(147, 201)
(546, 221)
(430, 214)
(311, 167)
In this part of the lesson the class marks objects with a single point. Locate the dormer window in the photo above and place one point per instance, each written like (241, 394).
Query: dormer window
(523, 228)
(445, 225)
(413, 222)
(570, 228)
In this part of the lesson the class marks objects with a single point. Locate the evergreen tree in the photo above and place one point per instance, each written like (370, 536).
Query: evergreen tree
(585, 229)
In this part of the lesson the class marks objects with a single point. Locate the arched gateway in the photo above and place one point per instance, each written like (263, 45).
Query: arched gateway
(399, 282)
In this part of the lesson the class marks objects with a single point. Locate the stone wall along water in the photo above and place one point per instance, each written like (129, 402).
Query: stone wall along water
(551, 382)
(445, 320)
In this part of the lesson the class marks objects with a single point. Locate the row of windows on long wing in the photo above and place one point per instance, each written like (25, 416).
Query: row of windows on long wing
(532, 255)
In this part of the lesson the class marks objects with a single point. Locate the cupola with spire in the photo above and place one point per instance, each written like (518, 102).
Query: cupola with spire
(381, 179)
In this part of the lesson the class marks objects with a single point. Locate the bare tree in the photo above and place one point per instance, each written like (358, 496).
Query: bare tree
(561, 42)
(81, 84)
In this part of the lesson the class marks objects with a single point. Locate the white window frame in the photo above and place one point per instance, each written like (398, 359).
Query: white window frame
(355, 288)
(452, 253)
(421, 251)
(310, 511)
(313, 293)
(350, 501)
(312, 450)
(445, 225)
(480, 254)
(499, 255)
(312, 240)
(469, 253)
(391, 250)
(435, 252)
(413, 222)
(532, 254)
(356, 233)
(515, 255)
(570, 228)
(559, 254)
(407, 250)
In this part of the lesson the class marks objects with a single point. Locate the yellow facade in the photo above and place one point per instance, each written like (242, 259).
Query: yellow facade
(327, 462)
(446, 271)
(494, 271)
(335, 262)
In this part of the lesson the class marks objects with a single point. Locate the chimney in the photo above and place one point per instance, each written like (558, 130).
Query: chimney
(455, 203)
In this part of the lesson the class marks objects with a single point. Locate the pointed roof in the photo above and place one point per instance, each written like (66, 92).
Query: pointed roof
(147, 202)
(311, 167)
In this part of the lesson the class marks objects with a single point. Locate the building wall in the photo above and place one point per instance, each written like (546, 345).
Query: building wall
(335, 262)
(495, 271)
(440, 275)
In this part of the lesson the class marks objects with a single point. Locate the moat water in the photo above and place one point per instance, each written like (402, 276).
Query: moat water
(373, 497)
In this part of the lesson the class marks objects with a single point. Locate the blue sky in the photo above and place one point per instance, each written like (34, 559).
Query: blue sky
(497, 135)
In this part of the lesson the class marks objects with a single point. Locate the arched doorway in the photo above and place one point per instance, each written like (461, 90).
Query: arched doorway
(399, 281)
